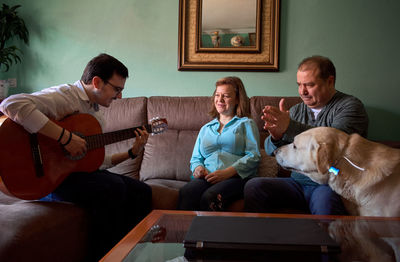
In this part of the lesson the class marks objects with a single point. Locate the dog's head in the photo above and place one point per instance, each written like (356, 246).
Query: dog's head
(313, 152)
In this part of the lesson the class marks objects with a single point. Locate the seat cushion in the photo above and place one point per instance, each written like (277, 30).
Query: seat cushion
(167, 156)
(41, 231)
(268, 166)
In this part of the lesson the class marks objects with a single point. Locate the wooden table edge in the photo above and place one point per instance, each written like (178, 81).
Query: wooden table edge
(122, 249)
(2, 119)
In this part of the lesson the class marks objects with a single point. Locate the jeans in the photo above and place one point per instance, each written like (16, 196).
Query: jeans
(114, 203)
(264, 194)
(198, 194)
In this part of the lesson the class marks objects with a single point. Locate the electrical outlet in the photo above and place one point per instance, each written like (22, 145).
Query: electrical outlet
(12, 82)
(3, 89)
(4, 84)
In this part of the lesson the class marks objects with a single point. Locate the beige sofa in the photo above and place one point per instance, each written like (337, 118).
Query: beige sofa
(165, 163)
(42, 231)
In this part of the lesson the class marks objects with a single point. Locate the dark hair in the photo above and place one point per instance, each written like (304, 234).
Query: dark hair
(243, 107)
(324, 64)
(103, 66)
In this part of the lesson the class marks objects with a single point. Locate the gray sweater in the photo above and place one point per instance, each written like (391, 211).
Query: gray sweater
(344, 112)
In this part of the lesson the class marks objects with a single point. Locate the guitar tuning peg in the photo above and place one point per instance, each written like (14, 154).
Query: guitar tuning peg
(155, 119)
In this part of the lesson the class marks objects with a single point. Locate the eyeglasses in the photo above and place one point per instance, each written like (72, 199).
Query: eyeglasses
(117, 89)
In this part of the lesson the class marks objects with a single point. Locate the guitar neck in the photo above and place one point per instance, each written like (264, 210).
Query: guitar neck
(100, 140)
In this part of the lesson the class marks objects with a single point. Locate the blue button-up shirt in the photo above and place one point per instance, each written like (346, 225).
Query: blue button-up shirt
(238, 145)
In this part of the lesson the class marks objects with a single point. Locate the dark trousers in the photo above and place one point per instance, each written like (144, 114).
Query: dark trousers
(264, 194)
(115, 204)
(198, 194)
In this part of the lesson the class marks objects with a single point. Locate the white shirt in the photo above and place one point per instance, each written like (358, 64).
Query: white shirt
(316, 112)
(32, 111)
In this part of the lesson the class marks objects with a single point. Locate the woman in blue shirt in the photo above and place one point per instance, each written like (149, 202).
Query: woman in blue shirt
(226, 153)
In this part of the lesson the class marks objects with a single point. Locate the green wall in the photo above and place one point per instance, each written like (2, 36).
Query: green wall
(360, 36)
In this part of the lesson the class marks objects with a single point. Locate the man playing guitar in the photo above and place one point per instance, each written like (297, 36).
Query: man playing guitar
(115, 203)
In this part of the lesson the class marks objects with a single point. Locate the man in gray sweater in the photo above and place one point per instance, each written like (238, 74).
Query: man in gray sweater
(322, 105)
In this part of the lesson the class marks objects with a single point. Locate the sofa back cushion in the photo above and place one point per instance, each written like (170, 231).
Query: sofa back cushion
(167, 156)
(182, 113)
(122, 114)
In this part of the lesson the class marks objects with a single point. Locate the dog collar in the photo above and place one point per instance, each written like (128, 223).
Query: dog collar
(334, 170)
(354, 165)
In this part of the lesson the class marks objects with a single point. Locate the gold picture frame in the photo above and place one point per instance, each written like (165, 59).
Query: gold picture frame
(265, 57)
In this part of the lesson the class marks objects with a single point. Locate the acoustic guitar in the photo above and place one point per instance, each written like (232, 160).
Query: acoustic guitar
(33, 165)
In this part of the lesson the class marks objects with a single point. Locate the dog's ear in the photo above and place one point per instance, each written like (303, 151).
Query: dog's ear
(325, 157)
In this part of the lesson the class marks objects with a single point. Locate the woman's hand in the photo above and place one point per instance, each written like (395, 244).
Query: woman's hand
(220, 175)
(200, 172)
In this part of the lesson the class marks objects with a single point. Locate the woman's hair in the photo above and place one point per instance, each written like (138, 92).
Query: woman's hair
(103, 66)
(243, 106)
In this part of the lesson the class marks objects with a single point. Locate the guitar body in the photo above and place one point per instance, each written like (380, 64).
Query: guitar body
(17, 165)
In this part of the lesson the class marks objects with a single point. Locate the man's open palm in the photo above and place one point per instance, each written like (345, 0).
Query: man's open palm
(276, 119)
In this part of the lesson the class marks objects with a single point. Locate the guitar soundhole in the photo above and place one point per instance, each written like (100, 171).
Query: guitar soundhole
(78, 157)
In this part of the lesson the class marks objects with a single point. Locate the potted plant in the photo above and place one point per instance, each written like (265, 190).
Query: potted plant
(11, 25)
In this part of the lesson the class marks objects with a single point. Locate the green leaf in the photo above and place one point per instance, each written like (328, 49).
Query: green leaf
(11, 25)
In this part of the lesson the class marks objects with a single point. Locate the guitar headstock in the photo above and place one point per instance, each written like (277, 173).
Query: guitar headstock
(158, 125)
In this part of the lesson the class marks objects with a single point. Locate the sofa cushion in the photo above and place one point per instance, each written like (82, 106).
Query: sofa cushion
(167, 155)
(122, 114)
(268, 166)
(42, 231)
(125, 113)
(182, 113)
(173, 184)
(164, 197)
(128, 167)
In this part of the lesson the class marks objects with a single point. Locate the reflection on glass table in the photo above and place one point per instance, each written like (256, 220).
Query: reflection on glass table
(159, 237)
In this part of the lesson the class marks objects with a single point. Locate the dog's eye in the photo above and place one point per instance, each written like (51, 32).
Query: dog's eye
(294, 146)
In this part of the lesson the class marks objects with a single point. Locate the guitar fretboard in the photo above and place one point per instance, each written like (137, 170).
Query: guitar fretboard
(100, 140)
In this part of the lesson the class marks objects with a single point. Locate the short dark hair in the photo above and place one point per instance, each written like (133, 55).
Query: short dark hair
(324, 64)
(243, 107)
(103, 66)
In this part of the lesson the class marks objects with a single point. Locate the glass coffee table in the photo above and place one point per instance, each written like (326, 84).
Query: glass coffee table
(159, 237)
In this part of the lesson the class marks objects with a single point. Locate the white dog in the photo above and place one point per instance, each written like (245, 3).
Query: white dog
(364, 173)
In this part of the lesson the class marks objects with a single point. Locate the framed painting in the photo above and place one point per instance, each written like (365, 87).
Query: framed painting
(229, 35)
